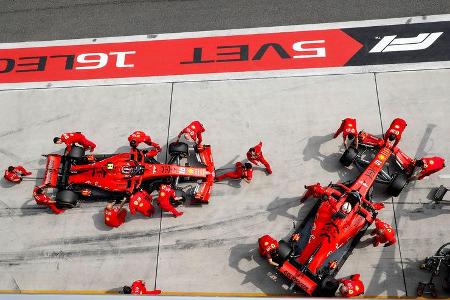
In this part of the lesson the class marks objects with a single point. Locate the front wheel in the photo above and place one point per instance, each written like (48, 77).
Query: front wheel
(178, 148)
(349, 156)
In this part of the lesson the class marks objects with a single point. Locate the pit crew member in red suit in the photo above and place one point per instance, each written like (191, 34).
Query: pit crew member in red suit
(139, 137)
(383, 234)
(348, 129)
(268, 248)
(193, 132)
(351, 287)
(395, 131)
(427, 166)
(15, 174)
(71, 138)
(242, 171)
(165, 194)
(255, 156)
(141, 202)
(43, 199)
(115, 215)
(138, 288)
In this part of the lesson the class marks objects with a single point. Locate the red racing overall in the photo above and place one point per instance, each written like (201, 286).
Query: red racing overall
(239, 173)
(255, 156)
(71, 138)
(383, 234)
(115, 217)
(193, 131)
(138, 288)
(43, 199)
(352, 287)
(164, 196)
(14, 174)
(141, 202)
(348, 127)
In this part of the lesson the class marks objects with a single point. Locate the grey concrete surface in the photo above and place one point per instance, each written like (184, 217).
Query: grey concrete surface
(294, 117)
(422, 99)
(213, 248)
(74, 250)
(68, 19)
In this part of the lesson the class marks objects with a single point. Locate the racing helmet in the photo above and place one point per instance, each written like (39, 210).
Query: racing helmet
(346, 207)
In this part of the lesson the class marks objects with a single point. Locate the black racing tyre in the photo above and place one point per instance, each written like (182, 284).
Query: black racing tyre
(327, 287)
(284, 250)
(76, 152)
(397, 184)
(178, 148)
(348, 157)
(66, 199)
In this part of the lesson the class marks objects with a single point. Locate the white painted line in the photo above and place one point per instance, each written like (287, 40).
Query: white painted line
(445, 176)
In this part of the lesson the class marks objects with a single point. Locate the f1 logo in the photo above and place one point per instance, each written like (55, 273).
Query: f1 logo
(391, 43)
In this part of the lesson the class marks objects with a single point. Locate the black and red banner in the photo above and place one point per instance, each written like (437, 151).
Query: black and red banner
(408, 43)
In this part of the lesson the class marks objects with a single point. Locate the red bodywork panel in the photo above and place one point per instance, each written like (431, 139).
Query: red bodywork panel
(51, 170)
(300, 279)
(116, 173)
(367, 178)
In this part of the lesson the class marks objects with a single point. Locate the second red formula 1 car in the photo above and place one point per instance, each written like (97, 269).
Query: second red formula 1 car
(344, 211)
(115, 176)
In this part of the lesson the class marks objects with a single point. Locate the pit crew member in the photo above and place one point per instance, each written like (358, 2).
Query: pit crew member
(71, 138)
(268, 248)
(427, 166)
(255, 156)
(242, 171)
(193, 132)
(165, 194)
(348, 129)
(351, 287)
(141, 202)
(394, 133)
(115, 215)
(15, 174)
(383, 234)
(43, 199)
(138, 288)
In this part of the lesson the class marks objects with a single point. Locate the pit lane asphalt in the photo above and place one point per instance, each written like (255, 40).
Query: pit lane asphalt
(70, 19)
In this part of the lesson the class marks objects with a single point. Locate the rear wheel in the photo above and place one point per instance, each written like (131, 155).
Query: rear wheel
(284, 250)
(328, 287)
(66, 199)
(348, 157)
(397, 184)
(76, 152)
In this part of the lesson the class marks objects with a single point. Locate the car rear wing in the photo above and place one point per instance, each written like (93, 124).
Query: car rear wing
(298, 277)
(52, 170)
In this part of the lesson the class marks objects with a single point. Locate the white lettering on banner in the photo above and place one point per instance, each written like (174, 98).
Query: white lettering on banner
(120, 62)
(391, 43)
(101, 59)
(320, 52)
(100, 62)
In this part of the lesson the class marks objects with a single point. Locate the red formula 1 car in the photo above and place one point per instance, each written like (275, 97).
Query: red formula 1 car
(343, 213)
(115, 176)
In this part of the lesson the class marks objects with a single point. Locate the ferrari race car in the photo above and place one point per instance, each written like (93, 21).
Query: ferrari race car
(78, 176)
(344, 211)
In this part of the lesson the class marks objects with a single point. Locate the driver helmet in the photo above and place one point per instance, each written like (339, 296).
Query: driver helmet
(346, 207)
